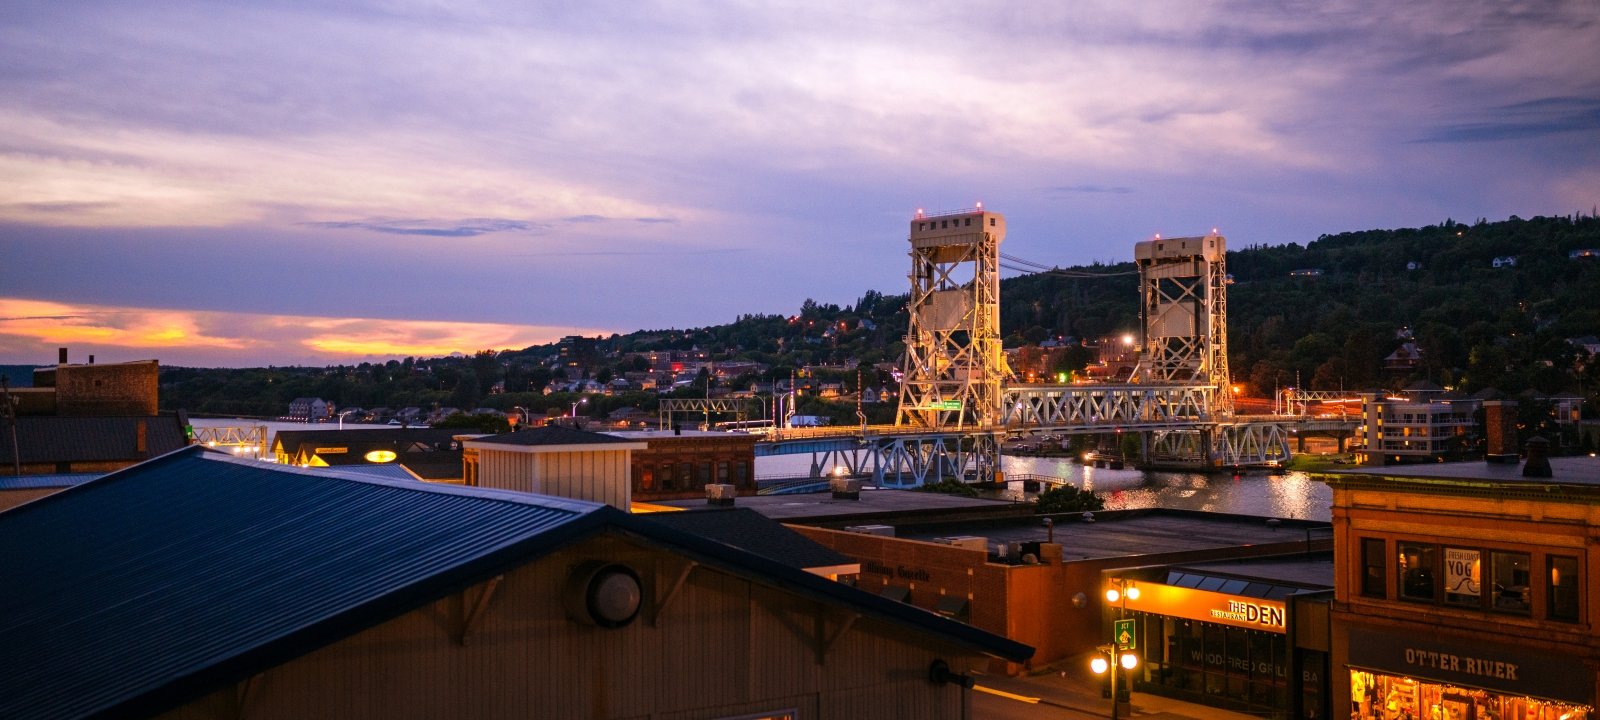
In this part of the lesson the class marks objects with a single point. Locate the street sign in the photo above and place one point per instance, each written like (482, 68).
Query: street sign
(948, 405)
(1122, 632)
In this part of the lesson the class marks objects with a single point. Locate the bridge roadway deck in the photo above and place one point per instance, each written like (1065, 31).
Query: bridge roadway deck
(801, 440)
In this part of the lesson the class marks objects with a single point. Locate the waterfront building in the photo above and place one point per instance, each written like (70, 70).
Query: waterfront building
(1425, 427)
(1465, 590)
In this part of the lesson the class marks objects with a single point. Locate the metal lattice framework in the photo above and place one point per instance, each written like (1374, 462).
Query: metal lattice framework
(1297, 402)
(737, 407)
(908, 461)
(253, 437)
(954, 364)
(1184, 306)
(1106, 406)
(1227, 445)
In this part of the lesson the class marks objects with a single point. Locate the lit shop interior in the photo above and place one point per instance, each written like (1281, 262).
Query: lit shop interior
(1376, 696)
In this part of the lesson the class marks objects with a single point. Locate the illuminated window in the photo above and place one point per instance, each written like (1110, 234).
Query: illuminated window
(1561, 592)
(1417, 576)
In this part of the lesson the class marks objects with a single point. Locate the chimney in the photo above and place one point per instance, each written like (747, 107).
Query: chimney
(720, 494)
(1500, 431)
(61, 356)
(91, 359)
(1538, 465)
(141, 442)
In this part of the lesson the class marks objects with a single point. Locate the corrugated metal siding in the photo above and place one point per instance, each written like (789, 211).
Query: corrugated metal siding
(121, 586)
(599, 476)
(724, 647)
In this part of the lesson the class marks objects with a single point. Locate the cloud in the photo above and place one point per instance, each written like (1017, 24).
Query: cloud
(191, 337)
(434, 228)
(1525, 120)
(1093, 189)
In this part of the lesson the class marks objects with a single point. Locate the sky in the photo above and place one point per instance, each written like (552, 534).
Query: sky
(244, 184)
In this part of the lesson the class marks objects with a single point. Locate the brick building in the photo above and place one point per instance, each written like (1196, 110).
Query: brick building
(88, 418)
(1465, 590)
(679, 465)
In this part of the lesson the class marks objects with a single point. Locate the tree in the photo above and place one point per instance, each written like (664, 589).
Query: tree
(950, 486)
(481, 423)
(1067, 498)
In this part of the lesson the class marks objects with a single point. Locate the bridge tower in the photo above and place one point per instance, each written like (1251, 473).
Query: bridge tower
(954, 365)
(1184, 306)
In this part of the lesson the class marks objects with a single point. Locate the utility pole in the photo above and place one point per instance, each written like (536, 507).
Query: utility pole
(11, 421)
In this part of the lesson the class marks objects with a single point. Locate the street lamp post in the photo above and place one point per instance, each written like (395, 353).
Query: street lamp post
(574, 414)
(1122, 640)
(1108, 659)
(341, 418)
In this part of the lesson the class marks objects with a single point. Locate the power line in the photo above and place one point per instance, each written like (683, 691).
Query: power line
(1011, 262)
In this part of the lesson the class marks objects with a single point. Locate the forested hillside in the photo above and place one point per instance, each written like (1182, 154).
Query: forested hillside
(1475, 324)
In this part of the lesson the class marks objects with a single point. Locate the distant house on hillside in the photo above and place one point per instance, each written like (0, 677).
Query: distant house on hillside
(1306, 272)
(1405, 358)
(1413, 265)
(1583, 253)
(1505, 261)
(309, 409)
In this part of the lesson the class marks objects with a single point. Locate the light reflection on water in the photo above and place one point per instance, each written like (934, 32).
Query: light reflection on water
(1290, 495)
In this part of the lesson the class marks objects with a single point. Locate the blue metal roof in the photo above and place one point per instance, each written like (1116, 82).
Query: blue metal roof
(34, 482)
(160, 582)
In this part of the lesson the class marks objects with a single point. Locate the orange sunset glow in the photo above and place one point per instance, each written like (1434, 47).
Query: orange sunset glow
(33, 328)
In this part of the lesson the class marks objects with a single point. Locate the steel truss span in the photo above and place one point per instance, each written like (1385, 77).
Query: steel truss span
(1226, 444)
(739, 408)
(1107, 406)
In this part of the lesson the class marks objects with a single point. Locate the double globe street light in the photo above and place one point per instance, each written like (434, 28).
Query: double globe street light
(1113, 657)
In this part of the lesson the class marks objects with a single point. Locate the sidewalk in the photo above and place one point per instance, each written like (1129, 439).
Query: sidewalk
(1080, 693)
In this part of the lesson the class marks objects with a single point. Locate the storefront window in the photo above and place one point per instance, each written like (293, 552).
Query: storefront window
(1227, 667)
(1375, 696)
(1461, 577)
(1511, 576)
(1374, 561)
(666, 476)
(1417, 577)
(1562, 592)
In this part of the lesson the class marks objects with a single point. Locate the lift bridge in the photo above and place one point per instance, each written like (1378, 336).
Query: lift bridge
(956, 403)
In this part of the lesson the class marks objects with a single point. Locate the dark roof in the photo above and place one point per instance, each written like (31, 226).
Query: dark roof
(752, 532)
(396, 439)
(552, 435)
(53, 438)
(36, 482)
(154, 585)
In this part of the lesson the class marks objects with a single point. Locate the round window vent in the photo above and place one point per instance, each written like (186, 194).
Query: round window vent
(605, 594)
